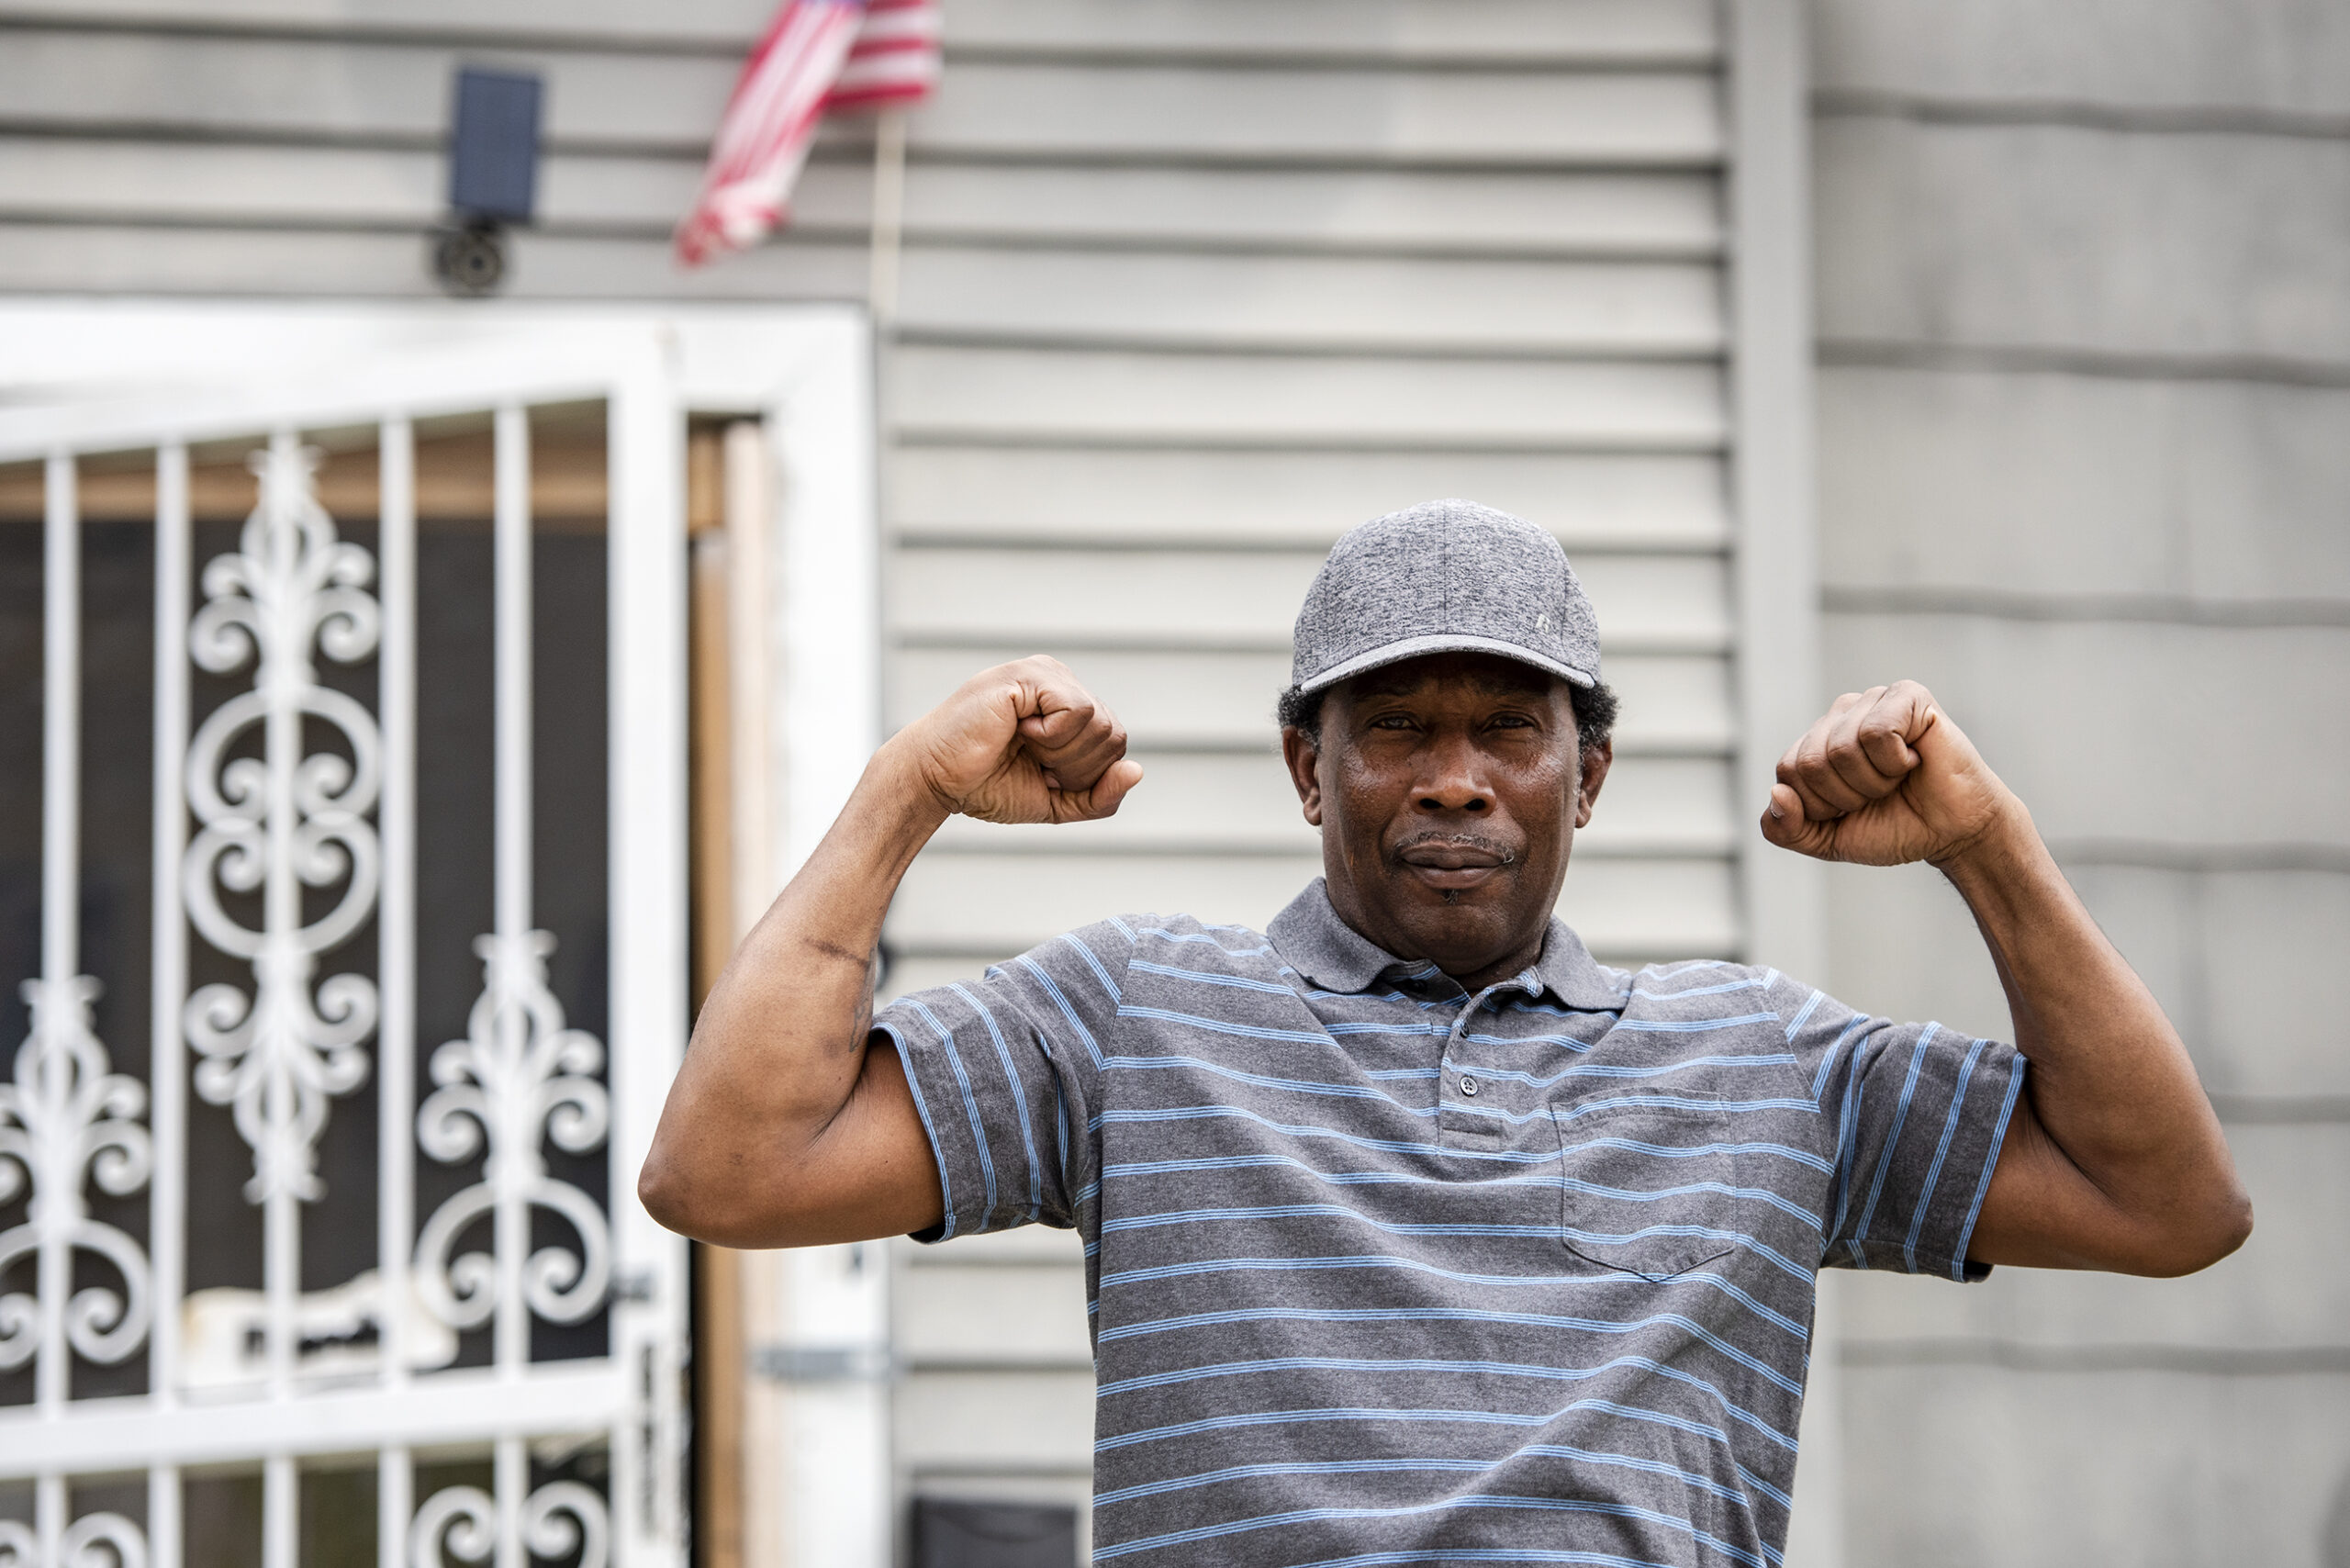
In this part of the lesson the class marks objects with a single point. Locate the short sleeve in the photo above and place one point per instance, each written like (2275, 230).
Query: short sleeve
(1003, 1070)
(1919, 1114)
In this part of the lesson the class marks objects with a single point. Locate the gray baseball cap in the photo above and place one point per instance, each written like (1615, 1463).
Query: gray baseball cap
(1439, 577)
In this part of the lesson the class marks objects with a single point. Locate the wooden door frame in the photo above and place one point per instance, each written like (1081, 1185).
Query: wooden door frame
(719, 1479)
(728, 502)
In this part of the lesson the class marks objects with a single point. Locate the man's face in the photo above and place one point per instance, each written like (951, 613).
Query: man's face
(1447, 792)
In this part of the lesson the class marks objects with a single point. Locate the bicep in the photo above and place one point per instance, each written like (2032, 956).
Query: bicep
(868, 1173)
(2041, 1211)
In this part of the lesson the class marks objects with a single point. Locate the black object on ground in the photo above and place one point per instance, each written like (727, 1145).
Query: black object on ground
(954, 1533)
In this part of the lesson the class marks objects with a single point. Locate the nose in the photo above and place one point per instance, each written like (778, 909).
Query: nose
(1451, 779)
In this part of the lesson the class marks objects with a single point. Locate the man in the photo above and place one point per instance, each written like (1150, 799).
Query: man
(1413, 1232)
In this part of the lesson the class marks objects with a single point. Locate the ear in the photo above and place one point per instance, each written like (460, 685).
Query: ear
(1595, 764)
(1305, 759)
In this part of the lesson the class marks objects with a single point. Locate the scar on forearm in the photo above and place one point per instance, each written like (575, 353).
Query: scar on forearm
(865, 1002)
(834, 950)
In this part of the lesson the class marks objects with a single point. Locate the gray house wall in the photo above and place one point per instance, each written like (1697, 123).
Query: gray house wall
(1190, 285)
(2084, 300)
(1188, 289)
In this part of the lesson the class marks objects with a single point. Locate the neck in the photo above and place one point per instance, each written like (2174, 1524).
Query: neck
(1516, 962)
(1474, 970)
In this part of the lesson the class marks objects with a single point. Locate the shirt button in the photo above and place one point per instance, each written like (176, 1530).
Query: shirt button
(1469, 1087)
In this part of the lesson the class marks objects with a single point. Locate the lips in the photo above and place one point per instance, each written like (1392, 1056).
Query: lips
(1452, 867)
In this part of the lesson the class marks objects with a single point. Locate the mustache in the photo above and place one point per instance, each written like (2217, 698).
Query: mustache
(1437, 838)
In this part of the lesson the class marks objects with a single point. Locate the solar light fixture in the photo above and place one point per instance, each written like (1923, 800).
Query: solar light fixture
(493, 177)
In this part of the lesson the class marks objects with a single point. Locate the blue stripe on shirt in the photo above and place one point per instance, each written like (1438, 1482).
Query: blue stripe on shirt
(1061, 1000)
(1019, 1102)
(930, 1131)
(1941, 1154)
(1704, 1278)
(1093, 963)
(1681, 1321)
(1892, 1144)
(2016, 1069)
(963, 1082)
(1221, 1101)
(1564, 1505)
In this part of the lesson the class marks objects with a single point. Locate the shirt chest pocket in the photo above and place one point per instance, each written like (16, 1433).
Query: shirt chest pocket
(1645, 1181)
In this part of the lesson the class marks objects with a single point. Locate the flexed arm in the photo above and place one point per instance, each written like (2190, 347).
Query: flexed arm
(782, 1129)
(2114, 1159)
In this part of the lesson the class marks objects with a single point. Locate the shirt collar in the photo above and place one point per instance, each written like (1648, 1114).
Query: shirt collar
(1312, 940)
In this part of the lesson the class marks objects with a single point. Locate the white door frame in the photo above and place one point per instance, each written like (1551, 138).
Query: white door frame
(805, 373)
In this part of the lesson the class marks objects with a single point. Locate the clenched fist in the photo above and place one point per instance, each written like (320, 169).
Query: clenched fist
(1884, 778)
(1022, 743)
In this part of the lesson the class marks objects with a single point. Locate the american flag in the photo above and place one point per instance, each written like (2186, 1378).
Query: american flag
(816, 55)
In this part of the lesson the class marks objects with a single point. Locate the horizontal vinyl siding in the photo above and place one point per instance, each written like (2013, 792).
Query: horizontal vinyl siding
(1284, 499)
(1034, 393)
(943, 593)
(100, 173)
(1154, 359)
(1189, 287)
(1094, 109)
(1511, 31)
(290, 148)
(1191, 699)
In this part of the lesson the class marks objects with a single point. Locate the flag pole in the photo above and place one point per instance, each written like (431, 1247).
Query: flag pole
(889, 212)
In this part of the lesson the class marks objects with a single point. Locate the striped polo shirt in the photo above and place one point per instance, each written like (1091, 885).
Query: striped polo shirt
(1381, 1271)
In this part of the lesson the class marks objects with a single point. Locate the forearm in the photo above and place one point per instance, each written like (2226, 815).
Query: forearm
(778, 1049)
(2113, 1110)
(782, 1129)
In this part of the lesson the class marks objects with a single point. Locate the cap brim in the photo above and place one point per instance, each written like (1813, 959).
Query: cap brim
(1442, 642)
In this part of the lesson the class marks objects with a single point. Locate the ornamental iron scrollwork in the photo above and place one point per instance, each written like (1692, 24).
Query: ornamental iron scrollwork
(94, 1540)
(67, 1118)
(283, 821)
(518, 1080)
(560, 1519)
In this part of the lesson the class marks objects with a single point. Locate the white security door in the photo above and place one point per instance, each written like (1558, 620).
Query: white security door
(334, 1248)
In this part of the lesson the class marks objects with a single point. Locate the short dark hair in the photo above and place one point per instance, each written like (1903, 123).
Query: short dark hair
(1595, 707)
